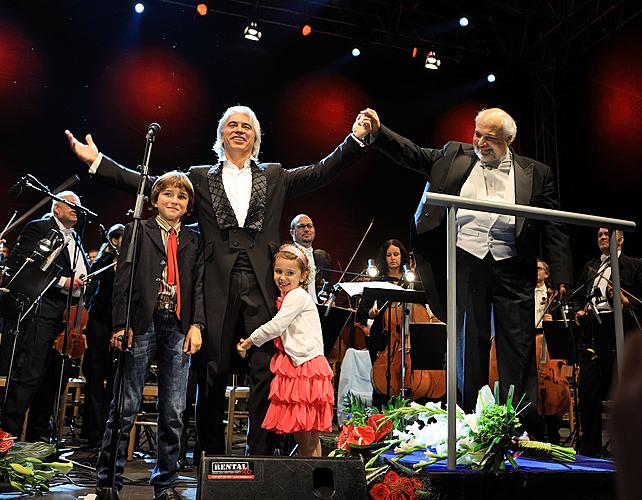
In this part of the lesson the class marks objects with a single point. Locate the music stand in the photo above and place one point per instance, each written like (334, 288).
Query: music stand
(428, 342)
(332, 323)
(405, 297)
(560, 342)
(26, 287)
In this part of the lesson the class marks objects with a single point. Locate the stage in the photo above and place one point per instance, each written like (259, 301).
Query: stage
(587, 478)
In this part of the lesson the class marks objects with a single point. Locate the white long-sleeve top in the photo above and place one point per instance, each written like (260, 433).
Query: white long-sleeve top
(298, 325)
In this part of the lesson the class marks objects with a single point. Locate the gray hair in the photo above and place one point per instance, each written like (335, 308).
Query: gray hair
(218, 145)
(509, 127)
(62, 194)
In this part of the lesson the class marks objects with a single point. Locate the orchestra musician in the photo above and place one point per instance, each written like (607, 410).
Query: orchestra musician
(34, 373)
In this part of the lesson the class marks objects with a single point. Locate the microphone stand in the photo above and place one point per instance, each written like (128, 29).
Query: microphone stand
(33, 183)
(110, 492)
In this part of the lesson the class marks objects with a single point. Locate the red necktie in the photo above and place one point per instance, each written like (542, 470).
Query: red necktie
(172, 268)
(279, 301)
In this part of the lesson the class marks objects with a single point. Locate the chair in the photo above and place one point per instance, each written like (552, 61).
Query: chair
(143, 420)
(233, 393)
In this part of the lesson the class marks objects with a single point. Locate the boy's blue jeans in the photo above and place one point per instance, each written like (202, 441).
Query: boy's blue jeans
(164, 341)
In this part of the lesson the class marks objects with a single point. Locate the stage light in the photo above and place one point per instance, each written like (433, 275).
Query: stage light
(356, 52)
(251, 31)
(491, 78)
(139, 8)
(408, 274)
(201, 8)
(432, 60)
(306, 30)
(372, 270)
(415, 50)
(463, 22)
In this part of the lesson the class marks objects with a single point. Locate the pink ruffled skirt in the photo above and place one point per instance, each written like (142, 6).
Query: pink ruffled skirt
(301, 397)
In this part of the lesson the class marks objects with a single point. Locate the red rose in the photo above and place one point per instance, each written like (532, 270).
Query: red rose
(398, 495)
(380, 432)
(344, 438)
(392, 479)
(5, 443)
(418, 483)
(380, 492)
(407, 486)
(362, 435)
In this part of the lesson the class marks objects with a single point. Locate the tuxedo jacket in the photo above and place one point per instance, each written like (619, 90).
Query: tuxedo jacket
(27, 242)
(446, 170)
(272, 187)
(152, 260)
(630, 276)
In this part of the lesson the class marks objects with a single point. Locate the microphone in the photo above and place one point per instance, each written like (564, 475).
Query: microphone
(152, 130)
(16, 189)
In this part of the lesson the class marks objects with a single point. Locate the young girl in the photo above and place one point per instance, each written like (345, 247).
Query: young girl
(301, 394)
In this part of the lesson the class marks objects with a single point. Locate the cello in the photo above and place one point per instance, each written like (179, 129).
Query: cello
(386, 369)
(553, 389)
(554, 393)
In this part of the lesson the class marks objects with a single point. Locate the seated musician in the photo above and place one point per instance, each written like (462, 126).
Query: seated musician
(595, 367)
(34, 378)
(390, 262)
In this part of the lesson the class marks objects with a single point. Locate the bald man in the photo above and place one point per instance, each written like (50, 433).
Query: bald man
(496, 254)
(303, 232)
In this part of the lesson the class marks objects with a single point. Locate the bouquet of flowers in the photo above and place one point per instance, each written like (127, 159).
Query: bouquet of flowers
(486, 439)
(22, 466)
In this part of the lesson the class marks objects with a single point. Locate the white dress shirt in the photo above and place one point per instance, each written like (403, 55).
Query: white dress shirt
(601, 282)
(482, 232)
(541, 297)
(309, 254)
(79, 266)
(238, 187)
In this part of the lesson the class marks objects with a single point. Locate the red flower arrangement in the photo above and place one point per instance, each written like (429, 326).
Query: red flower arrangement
(6, 441)
(396, 487)
(373, 432)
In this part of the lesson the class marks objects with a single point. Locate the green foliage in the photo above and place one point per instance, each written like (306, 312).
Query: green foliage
(23, 467)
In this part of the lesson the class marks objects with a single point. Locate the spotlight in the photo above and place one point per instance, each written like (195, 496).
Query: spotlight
(432, 60)
(372, 270)
(201, 8)
(139, 8)
(251, 31)
(306, 30)
(356, 52)
(463, 22)
(415, 50)
(408, 274)
(491, 78)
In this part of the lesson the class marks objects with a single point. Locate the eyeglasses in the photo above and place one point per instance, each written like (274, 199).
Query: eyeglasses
(305, 226)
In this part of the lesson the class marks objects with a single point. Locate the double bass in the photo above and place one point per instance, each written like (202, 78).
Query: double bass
(553, 390)
(386, 369)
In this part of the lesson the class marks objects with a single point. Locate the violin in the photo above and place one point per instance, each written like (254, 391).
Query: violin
(76, 339)
(386, 369)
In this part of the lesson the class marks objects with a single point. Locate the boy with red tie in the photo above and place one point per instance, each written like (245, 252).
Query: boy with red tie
(167, 316)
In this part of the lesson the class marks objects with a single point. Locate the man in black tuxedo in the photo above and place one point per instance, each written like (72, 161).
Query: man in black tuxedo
(496, 254)
(239, 203)
(33, 379)
(596, 368)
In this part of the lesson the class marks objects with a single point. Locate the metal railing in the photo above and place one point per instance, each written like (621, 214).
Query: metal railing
(452, 203)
